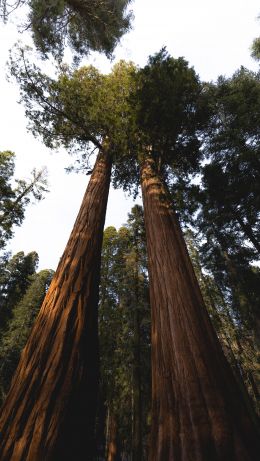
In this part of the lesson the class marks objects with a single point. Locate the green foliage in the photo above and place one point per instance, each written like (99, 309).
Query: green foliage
(84, 25)
(224, 205)
(169, 110)
(158, 110)
(80, 110)
(234, 331)
(235, 118)
(255, 49)
(15, 277)
(20, 324)
(229, 196)
(226, 192)
(123, 294)
(16, 194)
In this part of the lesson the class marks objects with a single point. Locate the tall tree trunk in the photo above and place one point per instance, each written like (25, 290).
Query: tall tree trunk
(50, 410)
(198, 413)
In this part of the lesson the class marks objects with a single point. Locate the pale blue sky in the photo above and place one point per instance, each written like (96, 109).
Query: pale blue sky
(214, 36)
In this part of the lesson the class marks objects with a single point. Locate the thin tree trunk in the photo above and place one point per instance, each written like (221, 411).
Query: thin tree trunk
(240, 297)
(248, 232)
(101, 420)
(137, 403)
(237, 364)
(112, 436)
(50, 410)
(198, 413)
(137, 393)
(246, 374)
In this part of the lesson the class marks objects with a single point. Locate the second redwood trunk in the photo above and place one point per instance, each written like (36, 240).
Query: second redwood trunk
(198, 413)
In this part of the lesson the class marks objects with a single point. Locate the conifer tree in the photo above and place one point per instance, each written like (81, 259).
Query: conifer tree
(234, 332)
(124, 335)
(197, 408)
(15, 335)
(14, 199)
(84, 25)
(63, 344)
(15, 277)
(225, 207)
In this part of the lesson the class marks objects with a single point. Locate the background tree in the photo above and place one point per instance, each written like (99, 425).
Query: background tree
(16, 194)
(15, 277)
(124, 337)
(24, 306)
(256, 49)
(233, 147)
(233, 330)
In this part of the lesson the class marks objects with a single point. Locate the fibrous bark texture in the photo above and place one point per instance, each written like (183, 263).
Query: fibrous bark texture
(50, 410)
(198, 412)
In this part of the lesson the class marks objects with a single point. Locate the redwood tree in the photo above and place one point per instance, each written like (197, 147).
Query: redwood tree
(198, 411)
(50, 409)
(49, 412)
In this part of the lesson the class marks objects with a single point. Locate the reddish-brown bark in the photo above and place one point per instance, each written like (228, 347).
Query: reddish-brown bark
(198, 412)
(50, 409)
(112, 436)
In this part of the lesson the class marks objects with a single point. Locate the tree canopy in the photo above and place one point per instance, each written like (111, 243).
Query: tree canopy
(158, 110)
(84, 25)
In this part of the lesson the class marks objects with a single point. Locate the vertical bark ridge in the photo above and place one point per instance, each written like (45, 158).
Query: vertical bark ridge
(198, 411)
(50, 409)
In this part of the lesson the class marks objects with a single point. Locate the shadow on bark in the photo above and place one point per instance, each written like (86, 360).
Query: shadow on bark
(198, 411)
(50, 409)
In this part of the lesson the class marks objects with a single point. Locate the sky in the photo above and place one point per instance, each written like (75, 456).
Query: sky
(213, 36)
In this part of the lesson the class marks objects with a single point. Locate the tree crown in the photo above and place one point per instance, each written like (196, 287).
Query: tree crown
(84, 25)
